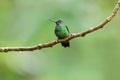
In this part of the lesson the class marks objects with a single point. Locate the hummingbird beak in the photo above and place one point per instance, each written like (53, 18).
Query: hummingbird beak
(52, 20)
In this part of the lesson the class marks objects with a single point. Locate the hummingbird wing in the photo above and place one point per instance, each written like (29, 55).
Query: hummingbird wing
(67, 29)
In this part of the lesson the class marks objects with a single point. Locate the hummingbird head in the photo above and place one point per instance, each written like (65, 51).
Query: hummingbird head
(59, 21)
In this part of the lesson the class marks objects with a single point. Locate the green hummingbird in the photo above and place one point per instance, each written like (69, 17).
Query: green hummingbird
(61, 31)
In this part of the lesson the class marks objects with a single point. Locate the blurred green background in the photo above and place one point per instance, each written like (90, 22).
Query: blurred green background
(26, 23)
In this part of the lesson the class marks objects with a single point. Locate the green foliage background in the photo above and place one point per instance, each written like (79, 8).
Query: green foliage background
(25, 23)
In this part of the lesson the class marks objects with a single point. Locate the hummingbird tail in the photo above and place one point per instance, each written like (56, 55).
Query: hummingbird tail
(65, 44)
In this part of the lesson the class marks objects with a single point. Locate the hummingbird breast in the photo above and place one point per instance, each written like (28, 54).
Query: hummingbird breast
(61, 32)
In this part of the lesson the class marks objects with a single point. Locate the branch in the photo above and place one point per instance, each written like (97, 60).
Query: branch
(75, 35)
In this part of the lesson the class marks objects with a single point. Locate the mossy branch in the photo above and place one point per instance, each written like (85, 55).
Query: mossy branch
(72, 36)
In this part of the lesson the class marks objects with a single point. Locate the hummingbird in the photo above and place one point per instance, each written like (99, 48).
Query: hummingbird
(61, 31)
